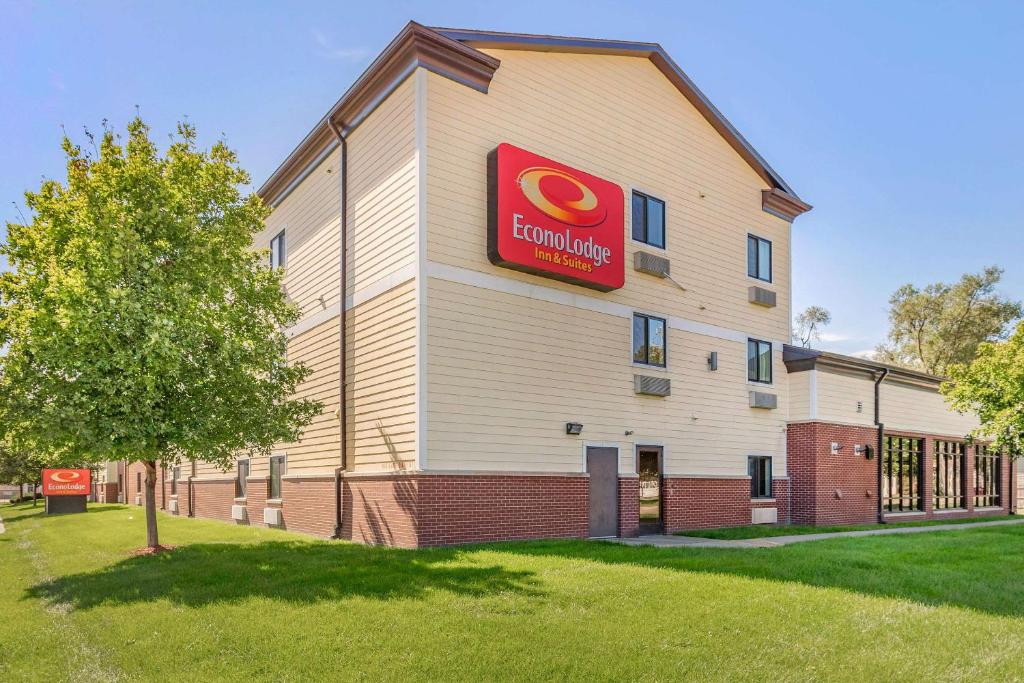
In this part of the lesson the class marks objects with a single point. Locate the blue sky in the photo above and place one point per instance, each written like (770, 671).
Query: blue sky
(900, 121)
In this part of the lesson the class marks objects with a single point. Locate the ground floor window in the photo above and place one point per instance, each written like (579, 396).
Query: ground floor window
(949, 475)
(243, 474)
(760, 469)
(987, 468)
(901, 472)
(277, 470)
(175, 473)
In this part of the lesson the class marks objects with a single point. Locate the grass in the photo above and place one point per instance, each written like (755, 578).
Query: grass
(769, 530)
(239, 603)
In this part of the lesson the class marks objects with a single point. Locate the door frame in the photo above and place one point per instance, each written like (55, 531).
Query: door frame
(661, 477)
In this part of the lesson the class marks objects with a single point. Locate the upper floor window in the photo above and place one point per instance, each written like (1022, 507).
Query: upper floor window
(648, 220)
(759, 258)
(759, 467)
(759, 361)
(648, 340)
(277, 251)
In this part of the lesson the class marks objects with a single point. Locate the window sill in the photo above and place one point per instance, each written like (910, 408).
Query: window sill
(948, 511)
(989, 508)
(647, 366)
(918, 513)
(645, 245)
(275, 501)
(762, 500)
(754, 278)
(239, 500)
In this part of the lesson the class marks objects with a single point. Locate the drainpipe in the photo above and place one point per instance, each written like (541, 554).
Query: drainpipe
(191, 491)
(342, 326)
(881, 440)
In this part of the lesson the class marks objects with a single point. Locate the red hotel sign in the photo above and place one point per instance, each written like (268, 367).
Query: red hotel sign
(552, 220)
(66, 482)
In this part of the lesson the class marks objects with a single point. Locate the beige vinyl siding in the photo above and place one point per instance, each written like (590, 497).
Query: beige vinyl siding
(505, 374)
(629, 125)
(382, 190)
(382, 381)
(838, 394)
(310, 217)
(799, 396)
(912, 408)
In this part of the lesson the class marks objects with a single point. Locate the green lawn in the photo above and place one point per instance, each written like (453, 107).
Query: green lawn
(235, 603)
(768, 530)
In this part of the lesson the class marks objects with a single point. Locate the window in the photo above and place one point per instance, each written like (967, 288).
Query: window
(901, 474)
(648, 220)
(243, 475)
(138, 482)
(987, 472)
(277, 251)
(949, 475)
(277, 468)
(759, 361)
(760, 469)
(175, 473)
(648, 340)
(759, 258)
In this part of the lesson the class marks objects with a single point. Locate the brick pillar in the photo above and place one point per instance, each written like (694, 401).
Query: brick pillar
(928, 476)
(629, 505)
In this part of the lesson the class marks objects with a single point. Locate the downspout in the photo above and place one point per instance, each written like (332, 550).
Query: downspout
(881, 440)
(191, 491)
(342, 326)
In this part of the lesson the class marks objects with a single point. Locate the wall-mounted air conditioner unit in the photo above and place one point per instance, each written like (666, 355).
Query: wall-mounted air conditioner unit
(761, 296)
(238, 513)
(652, 386)
(273, 516)
(173, 506)
(764, 516)
(761, 399)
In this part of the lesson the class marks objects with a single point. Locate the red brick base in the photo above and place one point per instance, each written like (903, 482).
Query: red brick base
(107, 492)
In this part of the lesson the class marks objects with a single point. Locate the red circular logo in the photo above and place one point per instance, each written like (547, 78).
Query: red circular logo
(561, 196)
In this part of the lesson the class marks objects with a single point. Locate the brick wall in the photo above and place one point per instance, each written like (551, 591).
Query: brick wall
(213, 498)
(255, 499)
(106, 492)
(827, 488)
(629, 506)
(462, 509)
(308, 505)
(698, 503)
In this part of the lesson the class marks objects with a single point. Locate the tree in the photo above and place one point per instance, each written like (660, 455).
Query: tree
(992, 386)
(141, 324)
(809, 324)
(935, 328)
(20, 468)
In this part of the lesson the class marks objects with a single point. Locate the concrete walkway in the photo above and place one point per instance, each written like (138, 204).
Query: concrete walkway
(665, 541)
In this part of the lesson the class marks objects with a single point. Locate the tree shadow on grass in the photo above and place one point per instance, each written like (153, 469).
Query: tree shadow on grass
(980, 569)
(291, 571)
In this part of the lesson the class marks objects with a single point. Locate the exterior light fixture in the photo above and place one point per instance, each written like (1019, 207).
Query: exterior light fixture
(713, 361)
(573, 428)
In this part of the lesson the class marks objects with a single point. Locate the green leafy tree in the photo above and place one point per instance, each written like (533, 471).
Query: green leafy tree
(141, 324)
(992, 386)
(20, 468)
(942, 325)
(809, 324)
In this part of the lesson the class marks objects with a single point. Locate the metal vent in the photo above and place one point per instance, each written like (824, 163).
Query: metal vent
(273, 517)
(238, 512)
(650, 264)
(652, 386)
(138, 499)
(761, 296)
(764, 515)
(173, 506)
(761, 399)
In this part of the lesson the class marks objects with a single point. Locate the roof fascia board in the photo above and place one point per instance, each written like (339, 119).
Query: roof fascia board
(415, 46)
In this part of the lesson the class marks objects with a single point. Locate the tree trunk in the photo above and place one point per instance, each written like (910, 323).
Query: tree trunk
(151, 537)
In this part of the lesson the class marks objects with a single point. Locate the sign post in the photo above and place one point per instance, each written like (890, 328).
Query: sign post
(66, 490)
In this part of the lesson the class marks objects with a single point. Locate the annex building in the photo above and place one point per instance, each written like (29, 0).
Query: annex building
(545, 288)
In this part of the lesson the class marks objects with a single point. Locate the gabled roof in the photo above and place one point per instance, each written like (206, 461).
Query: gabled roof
(456, 54)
